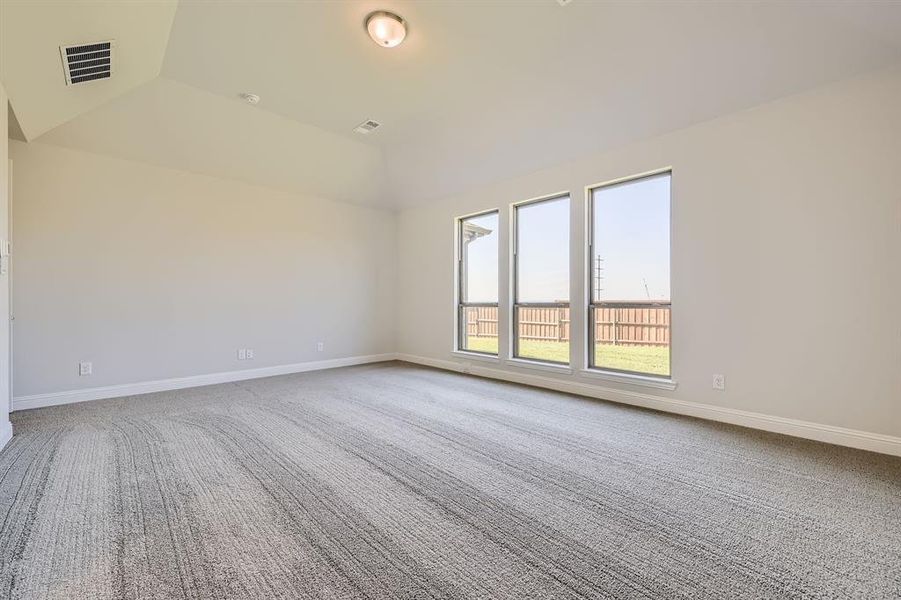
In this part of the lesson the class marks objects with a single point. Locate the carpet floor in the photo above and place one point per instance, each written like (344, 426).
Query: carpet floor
(395, 481)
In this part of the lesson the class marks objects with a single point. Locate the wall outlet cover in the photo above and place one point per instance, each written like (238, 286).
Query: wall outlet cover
(85, 368)
(719, 382)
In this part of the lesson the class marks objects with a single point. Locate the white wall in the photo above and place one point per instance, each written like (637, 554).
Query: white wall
(152, 273)
(5, 426)
(785, 256)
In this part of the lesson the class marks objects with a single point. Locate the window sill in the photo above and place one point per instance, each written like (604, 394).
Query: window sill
(630, 379)
(475, 356)
(539, 366)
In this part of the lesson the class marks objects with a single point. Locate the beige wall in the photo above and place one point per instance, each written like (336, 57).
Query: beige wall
(5, 427)
(785, 256)
(153, 273)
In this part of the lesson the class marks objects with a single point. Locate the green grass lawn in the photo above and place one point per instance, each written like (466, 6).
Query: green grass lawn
(640, 359)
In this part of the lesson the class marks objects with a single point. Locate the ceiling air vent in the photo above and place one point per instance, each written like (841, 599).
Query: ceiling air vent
(367, 126)
(87, 62)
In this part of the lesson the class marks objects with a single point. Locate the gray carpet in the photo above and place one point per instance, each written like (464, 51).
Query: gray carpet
(393, 481)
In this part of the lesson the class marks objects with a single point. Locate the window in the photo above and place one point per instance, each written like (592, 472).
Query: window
(541, 280)
(629, 323)
(477, 279)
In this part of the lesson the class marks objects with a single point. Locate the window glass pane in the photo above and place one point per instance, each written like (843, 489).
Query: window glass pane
(542, 276)
(642, 347)
(543, 333)
(478, 246)
(542, 244)
(630, 276)
(478, 283)
(631, 240)
(478, 329)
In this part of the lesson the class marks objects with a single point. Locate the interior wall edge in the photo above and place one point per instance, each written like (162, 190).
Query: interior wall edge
(6, 433)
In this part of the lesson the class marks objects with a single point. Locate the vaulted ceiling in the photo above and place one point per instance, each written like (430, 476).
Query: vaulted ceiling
(478, 92)
(30, 65)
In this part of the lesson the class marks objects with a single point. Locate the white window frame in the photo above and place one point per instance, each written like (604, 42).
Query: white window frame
(459, 304)
(515, 358)
(650, 379)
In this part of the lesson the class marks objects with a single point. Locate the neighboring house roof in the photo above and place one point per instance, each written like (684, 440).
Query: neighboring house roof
(472, 231)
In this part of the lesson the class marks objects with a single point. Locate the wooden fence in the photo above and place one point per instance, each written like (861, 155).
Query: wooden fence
(637, 324)
(632, 325)
(481, 321)
(549, 324)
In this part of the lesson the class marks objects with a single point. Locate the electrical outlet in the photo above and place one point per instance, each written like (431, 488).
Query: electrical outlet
(242, 354)
(320, 346)
(719, 382)
(249, 352)
(85, 368)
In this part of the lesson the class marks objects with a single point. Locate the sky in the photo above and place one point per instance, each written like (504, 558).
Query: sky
(632, 236)
(483, 261)
(542, 239)
(631, 233)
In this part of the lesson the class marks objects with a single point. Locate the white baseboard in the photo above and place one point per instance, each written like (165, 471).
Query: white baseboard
(6, 434)
(162, 385)
(841, 436)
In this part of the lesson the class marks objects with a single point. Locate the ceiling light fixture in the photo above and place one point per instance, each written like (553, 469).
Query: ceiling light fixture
(385, 28)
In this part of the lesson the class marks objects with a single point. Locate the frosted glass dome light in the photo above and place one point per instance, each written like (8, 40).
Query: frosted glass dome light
(386, 29)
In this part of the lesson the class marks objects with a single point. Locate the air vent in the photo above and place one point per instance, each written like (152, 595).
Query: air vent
(87, 62)
(367, 126)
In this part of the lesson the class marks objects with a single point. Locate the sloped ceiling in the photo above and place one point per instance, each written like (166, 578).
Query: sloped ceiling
(478, 92)
(15, 130)
(31, 33)
(171, 124)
